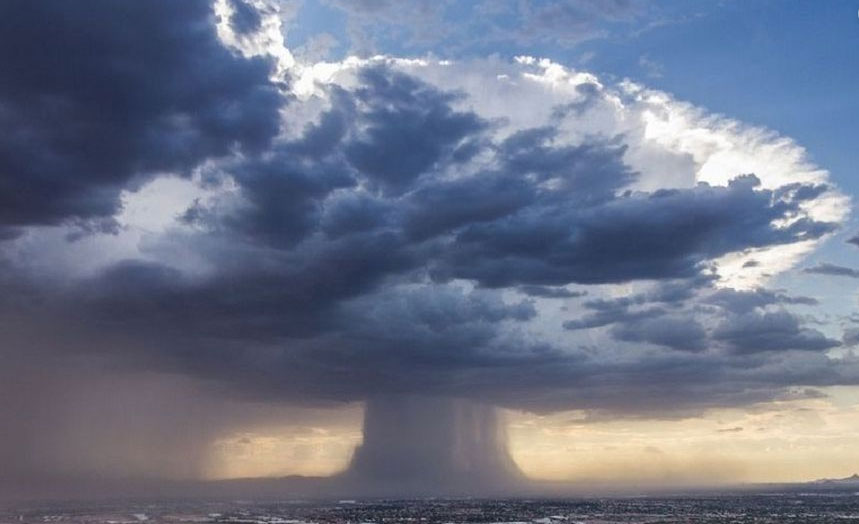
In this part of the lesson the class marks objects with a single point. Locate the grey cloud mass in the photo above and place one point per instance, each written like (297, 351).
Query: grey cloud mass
(550, 292)
(112, 94)
(681, 333)
(666, 234)
(245, 18)
(328, 233)
(771, 331)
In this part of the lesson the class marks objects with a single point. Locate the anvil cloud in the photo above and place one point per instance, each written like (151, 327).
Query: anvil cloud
(519, 233)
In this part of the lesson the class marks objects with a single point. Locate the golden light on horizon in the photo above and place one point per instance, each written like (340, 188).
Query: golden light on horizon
(781, 441)
(316, 443)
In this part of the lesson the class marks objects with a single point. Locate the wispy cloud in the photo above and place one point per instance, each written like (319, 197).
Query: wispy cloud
(826, 268)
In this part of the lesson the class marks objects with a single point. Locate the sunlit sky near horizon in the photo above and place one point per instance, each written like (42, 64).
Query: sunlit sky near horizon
(784, 441)
(226, 225)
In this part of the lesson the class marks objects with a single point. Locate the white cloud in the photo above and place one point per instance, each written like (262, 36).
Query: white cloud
(671, 143)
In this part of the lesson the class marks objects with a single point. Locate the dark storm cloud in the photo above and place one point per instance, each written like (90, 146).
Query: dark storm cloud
(266, 297)
(102, 94)
(284, 198)
(770, 331)
(662, 317)
(245, 18)
(586, 174)
(442, 207)
(385, 134)
(411, 128)
(649, 317)
(550, 292)
(851, 337)
(854, 240)
(329, 262)
(350, 214)
(677, 382)
(666, 234)
(546, 214)
(826, 268)
(680, 333)
(611, 312)
(398, 244)
(639, 310)
(744, 301)
(9, 233)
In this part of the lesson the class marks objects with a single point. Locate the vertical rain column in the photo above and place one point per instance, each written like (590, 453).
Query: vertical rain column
(427, 443)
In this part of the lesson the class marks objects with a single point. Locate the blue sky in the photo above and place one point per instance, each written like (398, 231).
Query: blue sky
(790, 66)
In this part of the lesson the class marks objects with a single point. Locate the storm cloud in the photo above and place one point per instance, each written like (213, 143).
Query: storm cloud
(114, 93)
(328, 254)
(382, 232)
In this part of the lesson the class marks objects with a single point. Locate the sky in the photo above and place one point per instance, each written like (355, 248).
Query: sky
(607, 242)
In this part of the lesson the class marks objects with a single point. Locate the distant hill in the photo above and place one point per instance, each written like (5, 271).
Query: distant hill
(851, 481)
